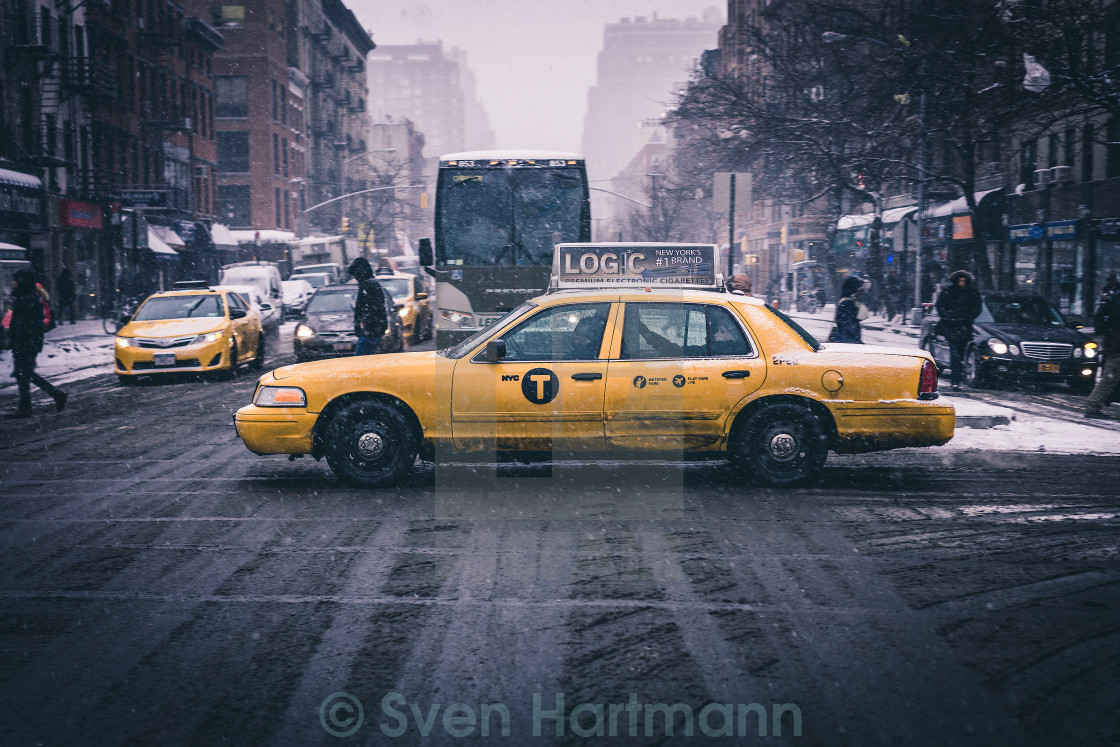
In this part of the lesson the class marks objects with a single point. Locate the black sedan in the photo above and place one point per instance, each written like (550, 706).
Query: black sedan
(1017, 337)
(326, 329)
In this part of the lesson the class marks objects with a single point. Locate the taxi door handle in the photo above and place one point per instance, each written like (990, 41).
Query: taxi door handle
(736, 374)
(587, 376)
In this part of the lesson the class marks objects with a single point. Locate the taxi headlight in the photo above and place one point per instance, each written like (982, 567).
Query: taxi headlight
(304, 332)
(125, 342)
(1013, 349)
(280, 396)
(459, 318)
(404, 312)
(1090, 350)
(209, 337)
(999, 347)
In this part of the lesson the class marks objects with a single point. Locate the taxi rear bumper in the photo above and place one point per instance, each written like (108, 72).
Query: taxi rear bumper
(878, 426)
(271, 430)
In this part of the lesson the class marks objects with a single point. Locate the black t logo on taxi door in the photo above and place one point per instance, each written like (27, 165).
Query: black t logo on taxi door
(540, 386)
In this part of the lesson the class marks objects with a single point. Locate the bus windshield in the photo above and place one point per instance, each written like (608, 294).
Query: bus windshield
(509, 216)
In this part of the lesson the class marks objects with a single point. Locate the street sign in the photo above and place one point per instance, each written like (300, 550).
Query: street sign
(144, 198)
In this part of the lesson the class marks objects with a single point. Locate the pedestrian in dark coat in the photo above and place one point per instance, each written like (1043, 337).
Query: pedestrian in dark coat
(848, 328)
(1110, 371)
(958, 305)
(67, 294)
(369, 308)
(25, 335)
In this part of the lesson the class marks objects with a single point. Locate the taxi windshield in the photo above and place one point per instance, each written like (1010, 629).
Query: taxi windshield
(180, 307)
(808, 338)
(398, 288)
(342, 300)
(464, 347)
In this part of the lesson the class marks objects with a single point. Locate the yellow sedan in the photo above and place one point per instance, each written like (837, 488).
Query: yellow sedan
(661, 372)
(199, 329)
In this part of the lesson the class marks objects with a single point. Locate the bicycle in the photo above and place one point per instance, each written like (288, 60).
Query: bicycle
(115, 313)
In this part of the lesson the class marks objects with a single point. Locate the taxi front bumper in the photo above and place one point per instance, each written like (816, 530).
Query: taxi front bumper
(274, 430)
(878, 426)
(136, 361)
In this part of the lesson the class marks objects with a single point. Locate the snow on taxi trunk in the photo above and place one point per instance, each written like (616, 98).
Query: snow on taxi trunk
(636, 348)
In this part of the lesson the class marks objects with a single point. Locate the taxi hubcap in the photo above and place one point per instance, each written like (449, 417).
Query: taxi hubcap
(370, 445)
(783, 446)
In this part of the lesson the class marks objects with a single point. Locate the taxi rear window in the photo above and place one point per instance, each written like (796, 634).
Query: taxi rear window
(808, 338)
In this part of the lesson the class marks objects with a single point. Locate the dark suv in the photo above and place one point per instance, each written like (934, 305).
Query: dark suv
(326, 329)
(1019, 336)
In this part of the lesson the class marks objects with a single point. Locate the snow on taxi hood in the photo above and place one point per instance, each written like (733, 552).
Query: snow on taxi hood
(362, 365)
(855, 347)
(172, 327)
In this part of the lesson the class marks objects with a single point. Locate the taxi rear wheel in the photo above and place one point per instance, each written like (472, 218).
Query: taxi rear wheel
(781, 444)
(369, 445)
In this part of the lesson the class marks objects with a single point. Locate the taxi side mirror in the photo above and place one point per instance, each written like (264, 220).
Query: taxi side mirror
(266, 307)
(125, 319)
(495, 351)
(238, 313)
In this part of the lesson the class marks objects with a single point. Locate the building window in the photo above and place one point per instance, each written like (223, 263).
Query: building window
(287, 211)
(285, 150)
(231, 96)
(1028, 162)
(275, 154)
(279, 212)
(233, 152)
(230, 16)
(275, 103)
(1113, 163)
(235, 206)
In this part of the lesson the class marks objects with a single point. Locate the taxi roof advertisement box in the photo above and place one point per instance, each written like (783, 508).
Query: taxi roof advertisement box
(657, 265)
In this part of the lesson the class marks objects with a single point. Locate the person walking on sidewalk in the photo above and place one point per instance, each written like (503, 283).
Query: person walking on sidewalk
(67, 294)
(958, 305)
(369, 308)
(1109, 326)
(849, 313)
(25, 335)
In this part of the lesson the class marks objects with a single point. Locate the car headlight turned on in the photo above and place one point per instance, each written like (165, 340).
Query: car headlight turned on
(458, 318)
(125, 342)
(209, 337)
(304, 332)
(1091, 350)
(997, 346)
(404, 312)
(1013, 349)
(280, 396)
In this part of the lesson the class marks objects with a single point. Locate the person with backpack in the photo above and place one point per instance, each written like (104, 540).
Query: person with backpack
(369, 308)
(25, 336)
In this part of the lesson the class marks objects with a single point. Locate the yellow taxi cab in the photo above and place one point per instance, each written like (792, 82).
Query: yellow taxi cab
(636, 348)
(194, 328)
(412, 304)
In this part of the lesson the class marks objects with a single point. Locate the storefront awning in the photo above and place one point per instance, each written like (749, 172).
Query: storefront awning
(168, 236)
(20, 179)
(222, 236)
(890, 217)
(159, 247)
(267, 236)
(958, 206)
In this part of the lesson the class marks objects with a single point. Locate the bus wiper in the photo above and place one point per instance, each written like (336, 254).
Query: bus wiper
(502, 253)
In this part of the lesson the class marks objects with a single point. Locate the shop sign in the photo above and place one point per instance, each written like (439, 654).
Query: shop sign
(1110, 226)
(144, 198)
(962, 227)
(185, 229)
(78, 214)
(1025, 232)
(1062, 230)
(23, 202)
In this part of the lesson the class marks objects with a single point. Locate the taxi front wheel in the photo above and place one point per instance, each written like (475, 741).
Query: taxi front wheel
(369, 445)
(781, 444)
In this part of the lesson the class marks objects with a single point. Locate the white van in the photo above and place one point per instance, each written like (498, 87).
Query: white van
(263, 275)
(330, 268)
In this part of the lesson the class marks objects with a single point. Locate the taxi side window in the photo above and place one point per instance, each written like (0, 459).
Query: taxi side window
(235, 302)
(677, 330)
(562, 333)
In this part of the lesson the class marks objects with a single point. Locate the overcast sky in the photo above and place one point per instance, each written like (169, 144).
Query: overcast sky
(533, 60)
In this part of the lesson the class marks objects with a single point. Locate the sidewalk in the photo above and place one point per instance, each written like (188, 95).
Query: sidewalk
(874, 322)
(70, 352)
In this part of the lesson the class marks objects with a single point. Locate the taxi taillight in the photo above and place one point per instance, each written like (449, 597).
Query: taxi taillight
(927, 382)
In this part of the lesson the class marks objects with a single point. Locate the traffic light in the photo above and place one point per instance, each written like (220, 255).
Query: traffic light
(344, 227)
